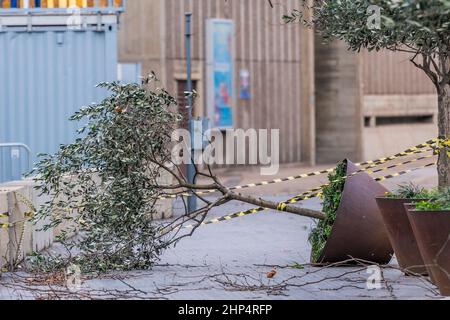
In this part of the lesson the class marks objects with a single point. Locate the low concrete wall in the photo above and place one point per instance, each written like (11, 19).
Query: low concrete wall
(387, 140)
(22, 237)
(400, 105)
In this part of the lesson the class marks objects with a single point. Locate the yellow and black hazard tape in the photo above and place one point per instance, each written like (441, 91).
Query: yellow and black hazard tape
(27, 215)
(25, 201)
(319, 173)
(230, 217)
(4, 215)
(442, 145)
(411, 151)
(7, 225)
(307, 195)
(316, 191)
(282, 206)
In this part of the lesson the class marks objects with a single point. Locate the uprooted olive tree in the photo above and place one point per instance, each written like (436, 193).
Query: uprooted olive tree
(103, 190)
(418, 27)
(100, 185)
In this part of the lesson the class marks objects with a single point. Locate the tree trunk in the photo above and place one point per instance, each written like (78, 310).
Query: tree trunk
(444, 133)
(275, 206)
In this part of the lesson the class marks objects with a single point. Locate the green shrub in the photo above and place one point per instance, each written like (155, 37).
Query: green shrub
(439, 201)
(332, 195)
(409, 191)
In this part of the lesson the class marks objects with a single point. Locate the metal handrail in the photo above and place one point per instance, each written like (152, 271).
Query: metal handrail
(22, 146)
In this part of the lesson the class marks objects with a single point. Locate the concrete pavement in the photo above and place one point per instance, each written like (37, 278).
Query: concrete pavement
(231, 260)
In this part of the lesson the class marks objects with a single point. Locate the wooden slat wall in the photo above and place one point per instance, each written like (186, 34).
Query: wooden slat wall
(269, 49)
(388, 73)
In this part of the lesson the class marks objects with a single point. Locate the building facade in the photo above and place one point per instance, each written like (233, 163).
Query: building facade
(328, 103)
(267, 54)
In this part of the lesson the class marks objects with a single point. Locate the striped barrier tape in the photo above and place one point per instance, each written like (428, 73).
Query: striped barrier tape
(326, 171)
(410, 151)
(367, 170)
(25, 201)
(230, 217)
(317, 192)
(8, 225)
(307, 195)
(374, 163)
(27, 215)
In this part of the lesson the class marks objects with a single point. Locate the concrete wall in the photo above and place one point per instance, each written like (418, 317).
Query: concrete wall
(394, 88)
(354, 90)
(381, 140)
(339, 118)
(400, 105)
(387, 140)
(23, 237)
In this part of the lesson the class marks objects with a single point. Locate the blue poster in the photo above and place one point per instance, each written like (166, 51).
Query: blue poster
(221, 49)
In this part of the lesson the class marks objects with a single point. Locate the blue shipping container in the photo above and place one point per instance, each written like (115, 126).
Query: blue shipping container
(45, 76)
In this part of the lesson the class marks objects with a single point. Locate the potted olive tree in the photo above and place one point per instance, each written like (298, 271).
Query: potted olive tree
(430, 221)
(399, 228)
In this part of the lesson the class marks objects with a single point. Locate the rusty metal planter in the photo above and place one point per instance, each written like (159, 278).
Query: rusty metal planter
(358, 231)
(401, 235)
(432, 232)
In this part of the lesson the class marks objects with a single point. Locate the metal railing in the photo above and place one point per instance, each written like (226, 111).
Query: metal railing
(10, 7)
(11, 168)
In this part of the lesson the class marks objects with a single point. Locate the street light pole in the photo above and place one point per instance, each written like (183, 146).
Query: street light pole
(192, 201)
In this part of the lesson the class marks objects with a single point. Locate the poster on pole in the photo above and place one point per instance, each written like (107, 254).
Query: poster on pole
(220, 72)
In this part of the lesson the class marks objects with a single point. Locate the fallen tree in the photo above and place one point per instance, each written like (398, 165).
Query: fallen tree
(106, 185)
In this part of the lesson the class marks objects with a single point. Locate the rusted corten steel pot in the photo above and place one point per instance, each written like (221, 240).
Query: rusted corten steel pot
(358, 231)
(432, 232)
(401, 235)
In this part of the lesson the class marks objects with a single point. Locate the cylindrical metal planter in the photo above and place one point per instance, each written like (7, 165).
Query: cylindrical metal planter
(358, 231)
(401, 235)
(432, 232)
